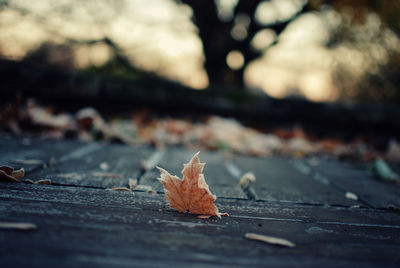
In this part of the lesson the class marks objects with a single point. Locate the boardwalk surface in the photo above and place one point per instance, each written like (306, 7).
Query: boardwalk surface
(82, 222)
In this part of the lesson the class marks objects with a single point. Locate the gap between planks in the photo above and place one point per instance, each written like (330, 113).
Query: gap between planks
(233, 170)
(268, 219)
(315, 175)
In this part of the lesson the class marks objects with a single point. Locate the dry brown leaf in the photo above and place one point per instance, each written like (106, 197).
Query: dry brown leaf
(247, 179)
(45, 181)
(190, 193)
(270, 240)
(23, 226)
(9, 174)
(18, 174)
(7, 169)
(45, 118)
(122, 189)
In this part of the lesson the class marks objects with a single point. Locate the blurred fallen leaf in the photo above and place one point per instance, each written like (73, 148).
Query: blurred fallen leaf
(191, 193)
(132, 183)
(44, 181)
(270, 240)
(122, 189)
(246, 179)
(22, 226)
(382, 171)
(104, 166)
(300, 147)
(9, 174)
(352, 196)
(43, 117)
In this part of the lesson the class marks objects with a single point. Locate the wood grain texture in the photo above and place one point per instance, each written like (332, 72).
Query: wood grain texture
(359, 180)
(123, 163)
(278, 179)
(85, 224)
(129, 229)
(14, 152)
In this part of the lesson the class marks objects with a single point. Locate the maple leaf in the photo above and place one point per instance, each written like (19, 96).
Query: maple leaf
(190, 193)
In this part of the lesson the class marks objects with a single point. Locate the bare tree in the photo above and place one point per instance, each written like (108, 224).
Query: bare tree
(218, 41)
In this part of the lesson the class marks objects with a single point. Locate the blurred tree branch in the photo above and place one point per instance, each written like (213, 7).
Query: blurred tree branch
(218, 42)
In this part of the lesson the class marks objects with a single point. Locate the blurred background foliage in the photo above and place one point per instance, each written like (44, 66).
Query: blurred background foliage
(346, 50)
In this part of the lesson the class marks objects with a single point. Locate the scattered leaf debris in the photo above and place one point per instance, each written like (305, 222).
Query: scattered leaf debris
(22, 226)
(9, 174)
(383, 172)
(104, 166)
(352, 196)
(208, 133)
(247, 179)
(29, 181)
(44, 181)
(270, 240)
(132, 183)
(122, 189)
(191, 193)
(27, 161)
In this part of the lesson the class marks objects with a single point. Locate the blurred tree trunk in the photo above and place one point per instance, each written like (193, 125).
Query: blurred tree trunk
(218, 42)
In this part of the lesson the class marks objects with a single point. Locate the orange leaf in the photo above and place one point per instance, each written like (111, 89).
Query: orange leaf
(190, 193)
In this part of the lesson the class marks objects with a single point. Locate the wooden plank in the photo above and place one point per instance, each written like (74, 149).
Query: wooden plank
(277, 179)
(112, 165)
(128, 229)
(359, 180)
(33, 154)
(221, 183)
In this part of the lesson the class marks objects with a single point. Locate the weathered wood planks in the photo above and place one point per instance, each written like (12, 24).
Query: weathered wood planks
(129, 228)
(81, 222)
